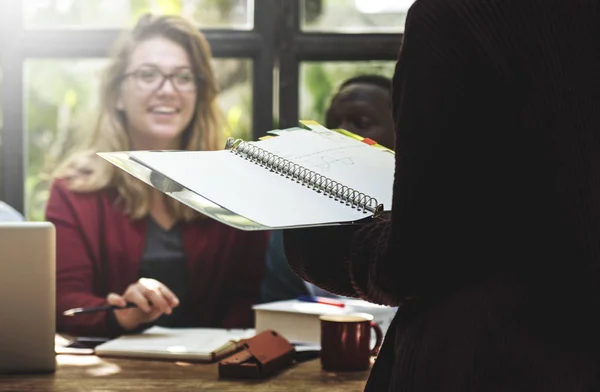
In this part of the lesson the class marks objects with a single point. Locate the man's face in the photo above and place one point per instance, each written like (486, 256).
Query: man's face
(364, 109)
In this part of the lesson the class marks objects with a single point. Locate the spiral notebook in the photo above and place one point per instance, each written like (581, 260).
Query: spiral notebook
(303, 177)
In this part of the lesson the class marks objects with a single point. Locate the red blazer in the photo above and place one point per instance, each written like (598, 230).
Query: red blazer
(99, 250)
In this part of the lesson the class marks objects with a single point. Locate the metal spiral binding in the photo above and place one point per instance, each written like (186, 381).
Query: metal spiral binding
(302, 175)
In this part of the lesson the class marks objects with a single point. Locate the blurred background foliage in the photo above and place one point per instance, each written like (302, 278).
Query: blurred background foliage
(319, 81)
(61, 95)
(61, 99)
(94, 14)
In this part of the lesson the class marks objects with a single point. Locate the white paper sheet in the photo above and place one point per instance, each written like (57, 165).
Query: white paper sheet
(177, 343)
(271, 199)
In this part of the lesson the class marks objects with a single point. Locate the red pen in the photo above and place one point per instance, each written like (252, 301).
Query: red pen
(321, 300)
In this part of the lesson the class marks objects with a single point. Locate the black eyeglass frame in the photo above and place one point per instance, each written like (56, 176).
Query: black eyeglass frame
(196, 79)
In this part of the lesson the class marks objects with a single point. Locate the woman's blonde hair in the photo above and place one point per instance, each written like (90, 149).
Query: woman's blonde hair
(86, 172)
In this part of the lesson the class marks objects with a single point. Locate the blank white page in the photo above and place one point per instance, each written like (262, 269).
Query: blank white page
(248, 189)
(159, 342)
(345, 160)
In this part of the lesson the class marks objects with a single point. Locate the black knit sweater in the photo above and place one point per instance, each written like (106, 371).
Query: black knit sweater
(493, 245)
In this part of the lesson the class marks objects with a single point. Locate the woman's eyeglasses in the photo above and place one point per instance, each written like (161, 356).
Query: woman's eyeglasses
(153, 79)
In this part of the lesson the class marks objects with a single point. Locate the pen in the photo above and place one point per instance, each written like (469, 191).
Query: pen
(321, 300)
(75, 311)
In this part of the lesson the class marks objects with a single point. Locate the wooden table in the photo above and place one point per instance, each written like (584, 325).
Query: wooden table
(89, 373)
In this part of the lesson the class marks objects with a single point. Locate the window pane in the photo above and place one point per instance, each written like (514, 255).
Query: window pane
(117, 14)
(61, 99)
(355, 16)
(320, 80)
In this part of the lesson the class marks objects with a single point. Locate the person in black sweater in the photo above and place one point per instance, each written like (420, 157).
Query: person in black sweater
(492, 248)
(361, 105)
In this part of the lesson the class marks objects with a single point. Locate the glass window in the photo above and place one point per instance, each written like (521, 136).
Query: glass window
(320, 80)
(117, 14)
(355, 16)
(61, 98)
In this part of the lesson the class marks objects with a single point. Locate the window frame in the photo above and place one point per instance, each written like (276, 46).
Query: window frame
(276, 45)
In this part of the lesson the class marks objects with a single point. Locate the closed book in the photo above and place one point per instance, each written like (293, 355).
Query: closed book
(177, 344)
(299, 322)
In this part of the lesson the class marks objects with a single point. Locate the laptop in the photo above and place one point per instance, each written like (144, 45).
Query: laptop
(27, 297)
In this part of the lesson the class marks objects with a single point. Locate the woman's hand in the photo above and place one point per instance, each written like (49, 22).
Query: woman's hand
(152, 299)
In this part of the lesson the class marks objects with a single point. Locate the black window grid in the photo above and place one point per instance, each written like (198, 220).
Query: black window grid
(276, 45)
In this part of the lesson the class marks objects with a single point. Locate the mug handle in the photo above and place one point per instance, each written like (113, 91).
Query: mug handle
(378, 338)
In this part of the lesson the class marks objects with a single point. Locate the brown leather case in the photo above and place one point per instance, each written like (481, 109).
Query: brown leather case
(260, 356)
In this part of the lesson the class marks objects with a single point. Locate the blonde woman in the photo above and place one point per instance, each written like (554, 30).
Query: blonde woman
(119, 240)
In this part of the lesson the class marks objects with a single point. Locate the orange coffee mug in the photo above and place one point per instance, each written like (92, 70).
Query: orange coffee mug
(345, 341)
